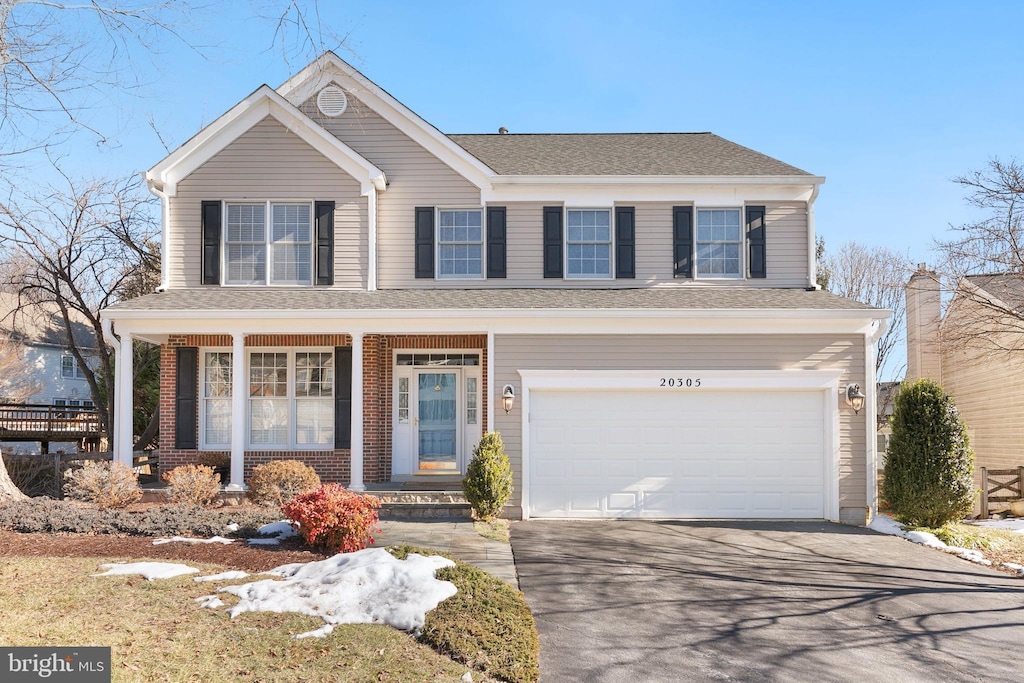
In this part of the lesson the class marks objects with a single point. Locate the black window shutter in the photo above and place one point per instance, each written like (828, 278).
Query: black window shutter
(424, 241)
(625, 242)
(324, 213)
(343, 397)
(186, 395)
(211, 242)
(756, 241)
(553, 241)
(682, 240)
(496, 241)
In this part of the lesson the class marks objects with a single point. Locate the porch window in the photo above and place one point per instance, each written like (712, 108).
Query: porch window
(217, 398)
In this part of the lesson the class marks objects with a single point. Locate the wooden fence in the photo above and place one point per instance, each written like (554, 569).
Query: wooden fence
(1000, 486)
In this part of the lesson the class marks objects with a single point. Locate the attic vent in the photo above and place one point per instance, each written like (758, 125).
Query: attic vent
(331, 101)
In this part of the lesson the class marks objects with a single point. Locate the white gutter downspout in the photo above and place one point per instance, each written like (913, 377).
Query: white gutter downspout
(165, 214)
(812, 246)
(871, 414)
(371, 255)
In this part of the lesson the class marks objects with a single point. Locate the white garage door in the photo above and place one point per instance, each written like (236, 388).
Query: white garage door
(707, 454)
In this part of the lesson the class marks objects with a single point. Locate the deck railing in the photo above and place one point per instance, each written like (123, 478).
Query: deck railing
(41, 422)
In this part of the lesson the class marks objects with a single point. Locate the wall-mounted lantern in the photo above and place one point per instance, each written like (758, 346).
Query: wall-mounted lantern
(855, 397)
(508, 398)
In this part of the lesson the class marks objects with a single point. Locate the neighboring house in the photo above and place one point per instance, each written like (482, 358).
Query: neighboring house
(644, 304)
(48, 369)
(976, 353)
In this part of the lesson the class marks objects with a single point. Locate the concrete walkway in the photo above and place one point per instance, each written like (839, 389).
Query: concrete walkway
(458, 539)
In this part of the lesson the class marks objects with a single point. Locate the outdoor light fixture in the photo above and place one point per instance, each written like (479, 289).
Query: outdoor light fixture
(855, 397)
(508, 398)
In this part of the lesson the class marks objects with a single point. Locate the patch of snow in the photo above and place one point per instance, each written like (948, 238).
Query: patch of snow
(1015, 567)
(183, 539)
(321, 632)
(282, 529)
(887, 525)
(1011, 524)
(232, 527)
(149, 570)
(467, 677)
(263, 541)
(223, 576)
(209, 601)
(368, 586)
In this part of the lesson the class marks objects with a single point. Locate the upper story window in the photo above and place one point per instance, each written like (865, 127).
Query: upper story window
(69, 368)
(588, 243)
(460, 243)
(719, 243)
(277, 251)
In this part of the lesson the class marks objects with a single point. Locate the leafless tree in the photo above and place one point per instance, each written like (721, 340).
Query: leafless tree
(60, 59)
(874, 276)
(81, 247)
(15, 387)
(983, 263)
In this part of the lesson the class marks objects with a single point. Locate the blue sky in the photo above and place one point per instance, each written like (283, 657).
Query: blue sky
(887, 100)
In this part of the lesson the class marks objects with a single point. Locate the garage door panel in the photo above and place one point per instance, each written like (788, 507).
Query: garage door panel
(689, 454)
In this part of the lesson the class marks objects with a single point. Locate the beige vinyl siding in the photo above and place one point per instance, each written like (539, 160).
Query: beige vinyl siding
(268, 162)
(699, 352)
(415, 178)
(786, 243)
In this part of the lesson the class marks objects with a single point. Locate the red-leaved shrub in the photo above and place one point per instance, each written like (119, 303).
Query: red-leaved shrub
(332, 518)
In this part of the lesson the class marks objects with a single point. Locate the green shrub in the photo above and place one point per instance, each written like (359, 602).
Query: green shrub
(193, 484)
(929, 468)
(279, 481)
(108, 484)
(487, 625)
(333, 518)
(488, 482)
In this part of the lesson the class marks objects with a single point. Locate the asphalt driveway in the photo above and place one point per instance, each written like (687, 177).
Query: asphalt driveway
(761, 601)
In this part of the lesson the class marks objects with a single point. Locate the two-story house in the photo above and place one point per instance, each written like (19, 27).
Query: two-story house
(345, 285)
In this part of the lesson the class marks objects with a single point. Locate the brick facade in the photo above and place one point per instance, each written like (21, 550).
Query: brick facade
(330, 465)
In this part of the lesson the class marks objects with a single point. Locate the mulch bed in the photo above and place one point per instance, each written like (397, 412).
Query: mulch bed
(237, 555)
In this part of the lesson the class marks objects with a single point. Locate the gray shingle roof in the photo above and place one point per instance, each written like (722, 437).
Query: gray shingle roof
(666, 298)
(41, 323)
(1007, 287)
(624, 154)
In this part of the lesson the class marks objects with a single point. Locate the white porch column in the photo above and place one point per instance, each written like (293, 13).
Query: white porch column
(123, 406)
(357, 413)
(238, 396)
(491, 389)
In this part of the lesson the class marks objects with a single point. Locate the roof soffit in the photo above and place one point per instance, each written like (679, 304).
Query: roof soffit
(330, 68)
(262, 103)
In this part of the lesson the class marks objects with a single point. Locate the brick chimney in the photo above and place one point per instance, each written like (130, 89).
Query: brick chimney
(924, 310)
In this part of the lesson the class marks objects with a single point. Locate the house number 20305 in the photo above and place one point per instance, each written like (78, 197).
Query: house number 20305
(687, 382)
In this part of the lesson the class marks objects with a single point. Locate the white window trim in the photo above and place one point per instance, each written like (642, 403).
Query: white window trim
(76, 369)
(742, 274)
(292, 445)
(611, 243)
(437, 243)
(204, 445)
(268, 204)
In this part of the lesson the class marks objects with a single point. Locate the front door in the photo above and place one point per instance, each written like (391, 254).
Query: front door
(436, 420)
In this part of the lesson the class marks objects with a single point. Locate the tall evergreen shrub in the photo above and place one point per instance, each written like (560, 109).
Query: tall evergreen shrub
(488, 482)
(929, 468)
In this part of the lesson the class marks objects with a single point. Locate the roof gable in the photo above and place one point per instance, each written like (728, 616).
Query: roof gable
(329, 68)
(242, 117)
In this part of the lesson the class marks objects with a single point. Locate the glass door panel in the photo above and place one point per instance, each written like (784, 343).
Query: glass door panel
(437, 418)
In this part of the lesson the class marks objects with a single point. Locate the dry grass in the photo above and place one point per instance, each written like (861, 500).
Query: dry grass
(496, 529)
(158, 632)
